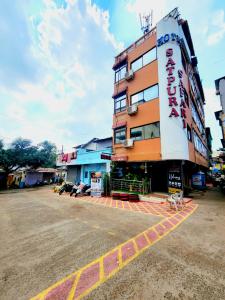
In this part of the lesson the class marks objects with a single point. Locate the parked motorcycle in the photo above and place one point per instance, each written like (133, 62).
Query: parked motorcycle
(74, 189)
(83, 190)
(66, 187)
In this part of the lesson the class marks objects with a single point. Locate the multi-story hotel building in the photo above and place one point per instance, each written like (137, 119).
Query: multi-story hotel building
(158, 120)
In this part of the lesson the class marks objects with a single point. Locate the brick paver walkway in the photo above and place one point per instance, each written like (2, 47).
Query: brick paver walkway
(156, 209)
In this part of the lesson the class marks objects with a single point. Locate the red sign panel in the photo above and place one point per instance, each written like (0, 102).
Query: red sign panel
(119, 158)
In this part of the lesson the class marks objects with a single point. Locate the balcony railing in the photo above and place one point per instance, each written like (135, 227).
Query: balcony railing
(135, 44)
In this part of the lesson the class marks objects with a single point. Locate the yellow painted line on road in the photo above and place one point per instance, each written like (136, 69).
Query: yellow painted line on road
(135, 245)
(116, 203)
(123, 204)
(119, 255)
(101, 275)
(73, 290)
(122, 264)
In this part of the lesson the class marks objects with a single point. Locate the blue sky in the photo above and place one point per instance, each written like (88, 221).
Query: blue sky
(56, 56)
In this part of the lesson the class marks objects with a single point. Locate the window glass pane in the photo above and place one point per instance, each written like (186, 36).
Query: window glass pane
(136, 98)
(149, 56)
(117, 76)
(120, 103)
(151, 93)
(137, 133)
(136, 65)
(117, 105)
(123, 103)
(189, 133)
(122, 72)
(151, 131)
(120, 135)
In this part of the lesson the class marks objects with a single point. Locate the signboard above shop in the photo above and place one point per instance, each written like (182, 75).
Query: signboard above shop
(105, 156)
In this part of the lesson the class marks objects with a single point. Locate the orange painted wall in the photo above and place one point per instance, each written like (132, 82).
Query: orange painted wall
(148, 112)
(143, 150)
(146, 150)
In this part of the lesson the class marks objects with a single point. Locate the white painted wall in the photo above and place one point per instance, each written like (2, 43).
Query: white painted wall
(174, 142)
(222, 93)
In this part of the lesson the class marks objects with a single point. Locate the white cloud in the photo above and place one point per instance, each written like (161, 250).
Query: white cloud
(71, 100)
(144, 7)
(218, 25)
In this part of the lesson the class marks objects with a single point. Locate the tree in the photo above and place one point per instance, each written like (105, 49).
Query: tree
(47, 154)
(22, 153)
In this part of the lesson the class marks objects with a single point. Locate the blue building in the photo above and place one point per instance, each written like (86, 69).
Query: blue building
(94, 156)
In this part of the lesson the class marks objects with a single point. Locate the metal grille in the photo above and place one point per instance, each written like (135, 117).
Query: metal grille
(132, 186)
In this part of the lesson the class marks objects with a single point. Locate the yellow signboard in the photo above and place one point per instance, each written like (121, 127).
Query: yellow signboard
(173, 190)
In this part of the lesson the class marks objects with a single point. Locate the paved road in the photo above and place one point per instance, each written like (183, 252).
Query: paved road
(44, 237)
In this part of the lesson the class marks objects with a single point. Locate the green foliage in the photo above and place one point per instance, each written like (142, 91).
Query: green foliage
(106, 184)
(22, 153)
(132, 176)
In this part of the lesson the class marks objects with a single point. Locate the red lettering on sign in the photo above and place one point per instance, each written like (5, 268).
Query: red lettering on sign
(183, 113)
(170, 71)
(170, 62)
(169, 52)
(173, 101)
(170, 93)
(180, 73)
(183, 104)
(170, 80)
(174, 113)
(171, 90)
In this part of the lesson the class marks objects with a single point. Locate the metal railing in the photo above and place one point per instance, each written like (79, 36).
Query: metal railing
(135, 44)
(131, 186)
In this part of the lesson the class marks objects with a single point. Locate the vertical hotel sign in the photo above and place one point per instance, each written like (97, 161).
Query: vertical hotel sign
(173, 91)
(173, 109)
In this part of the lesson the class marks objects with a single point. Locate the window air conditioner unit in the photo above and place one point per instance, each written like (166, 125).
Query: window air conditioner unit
(132, 109)
(129, 143)
(129, 75)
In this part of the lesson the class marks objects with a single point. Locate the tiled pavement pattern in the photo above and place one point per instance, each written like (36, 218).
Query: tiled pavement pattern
(83, 281)
(156, 209)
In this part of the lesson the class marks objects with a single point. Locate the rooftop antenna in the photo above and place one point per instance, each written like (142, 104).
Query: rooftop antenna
(146, 22)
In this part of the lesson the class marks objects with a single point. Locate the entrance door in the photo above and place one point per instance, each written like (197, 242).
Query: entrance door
(159, 177)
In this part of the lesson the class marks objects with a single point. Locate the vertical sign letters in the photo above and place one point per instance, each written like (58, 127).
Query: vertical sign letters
(177, 109)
